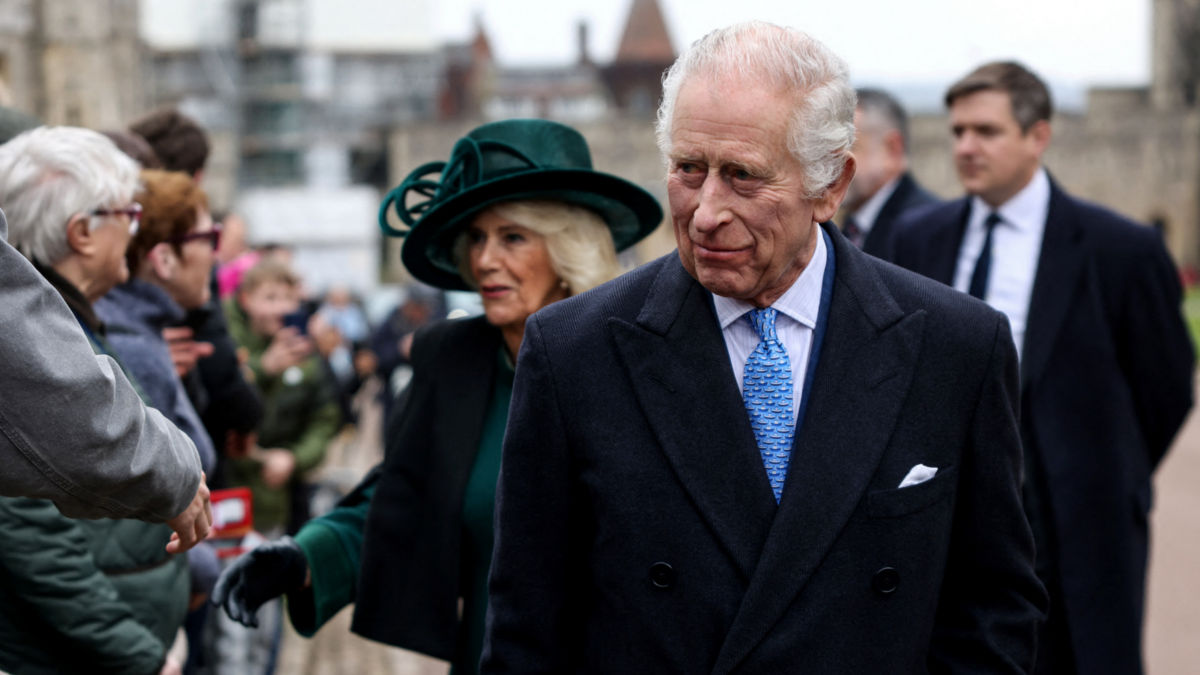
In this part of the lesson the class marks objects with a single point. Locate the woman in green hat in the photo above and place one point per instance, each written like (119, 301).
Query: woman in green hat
(519, 215)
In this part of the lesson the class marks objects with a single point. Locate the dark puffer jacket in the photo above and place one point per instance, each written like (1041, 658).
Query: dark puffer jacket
(85, 596)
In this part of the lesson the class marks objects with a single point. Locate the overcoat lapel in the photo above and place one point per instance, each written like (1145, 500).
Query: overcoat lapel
(879, 234)
(677, 361)
(865, 368)
(943, 246)
(1060, 264)
(470, 377)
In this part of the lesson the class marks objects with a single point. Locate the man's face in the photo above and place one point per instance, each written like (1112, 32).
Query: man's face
(879, 157)
(994, 158)
(108, 268)
(742, 225)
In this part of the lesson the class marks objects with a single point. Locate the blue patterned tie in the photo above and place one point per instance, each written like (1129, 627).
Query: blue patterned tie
(767, 390)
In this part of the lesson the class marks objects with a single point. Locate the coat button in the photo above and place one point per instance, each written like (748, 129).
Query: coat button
(886, 580)
(662, 575)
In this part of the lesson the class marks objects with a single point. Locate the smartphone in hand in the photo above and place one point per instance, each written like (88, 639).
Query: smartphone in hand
(297, 320)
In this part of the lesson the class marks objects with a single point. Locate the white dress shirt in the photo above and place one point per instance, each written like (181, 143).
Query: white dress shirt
(864, 217)
(1016, 246)
(795, 321)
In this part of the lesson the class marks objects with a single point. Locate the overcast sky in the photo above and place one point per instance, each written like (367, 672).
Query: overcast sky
(1071, 42)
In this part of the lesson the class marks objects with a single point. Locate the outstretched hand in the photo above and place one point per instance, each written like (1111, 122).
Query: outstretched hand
(267, 572)
(192, 525)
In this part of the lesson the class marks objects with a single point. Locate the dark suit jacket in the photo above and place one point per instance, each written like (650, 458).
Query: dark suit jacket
(409, 583)
(1106, 381)
(637, 531)
(907, 195)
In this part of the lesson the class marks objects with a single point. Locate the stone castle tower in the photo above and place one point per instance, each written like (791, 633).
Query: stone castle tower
(635, 75)
(76, 62)
(1175, 80)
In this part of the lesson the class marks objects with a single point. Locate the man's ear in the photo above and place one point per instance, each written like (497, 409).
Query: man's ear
(826, 206)
(79, 235)
(1040, 134)
(163, 260)
(893, 142)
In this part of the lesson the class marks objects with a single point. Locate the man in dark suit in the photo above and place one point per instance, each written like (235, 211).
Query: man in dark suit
(1106, 363)
(770, 452)
(883, 187)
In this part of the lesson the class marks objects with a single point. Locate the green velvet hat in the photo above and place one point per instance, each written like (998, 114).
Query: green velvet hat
(519, 159)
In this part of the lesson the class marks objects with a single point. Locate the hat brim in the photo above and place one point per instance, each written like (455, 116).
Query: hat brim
(630, 212)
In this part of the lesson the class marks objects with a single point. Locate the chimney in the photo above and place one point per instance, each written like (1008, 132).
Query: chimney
(585, 59)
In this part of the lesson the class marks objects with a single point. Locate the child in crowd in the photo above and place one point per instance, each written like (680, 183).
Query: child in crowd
(301, 417)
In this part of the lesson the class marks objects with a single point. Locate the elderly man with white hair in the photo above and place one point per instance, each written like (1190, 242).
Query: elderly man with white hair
(112, 590)
(767, 452)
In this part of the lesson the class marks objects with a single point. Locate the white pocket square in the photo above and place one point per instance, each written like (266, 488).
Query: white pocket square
(918, 474)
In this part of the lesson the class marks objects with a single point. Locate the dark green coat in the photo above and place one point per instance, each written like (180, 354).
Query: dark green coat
(85, 596)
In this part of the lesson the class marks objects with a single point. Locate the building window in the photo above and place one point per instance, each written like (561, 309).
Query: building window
(272, 168)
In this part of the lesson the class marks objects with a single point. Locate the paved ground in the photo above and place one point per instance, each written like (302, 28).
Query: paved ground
(1173, 603)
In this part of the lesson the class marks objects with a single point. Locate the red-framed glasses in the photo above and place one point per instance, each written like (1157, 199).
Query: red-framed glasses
(133, 212)
(213, 237)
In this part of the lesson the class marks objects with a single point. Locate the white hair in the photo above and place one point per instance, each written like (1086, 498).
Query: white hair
(579, 243)
(50, 174)
(821, 129)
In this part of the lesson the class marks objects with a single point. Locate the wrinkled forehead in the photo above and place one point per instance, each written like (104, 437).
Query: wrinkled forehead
(730, 110)
(728, 80)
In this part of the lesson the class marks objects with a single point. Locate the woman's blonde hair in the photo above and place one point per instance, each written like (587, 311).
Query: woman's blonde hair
(577, 239)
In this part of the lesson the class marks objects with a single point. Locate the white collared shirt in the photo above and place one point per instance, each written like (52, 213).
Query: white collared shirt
(794, 324)
(1016, 246)
(864, 217)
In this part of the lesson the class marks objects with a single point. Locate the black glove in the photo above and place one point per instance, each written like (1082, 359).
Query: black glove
(267, 572)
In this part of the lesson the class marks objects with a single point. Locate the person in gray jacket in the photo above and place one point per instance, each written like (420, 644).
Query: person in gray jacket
(116, 458)
(99, 595)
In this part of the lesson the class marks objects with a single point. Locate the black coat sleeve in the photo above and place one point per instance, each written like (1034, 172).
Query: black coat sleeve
(1154, 347)
(991, 599)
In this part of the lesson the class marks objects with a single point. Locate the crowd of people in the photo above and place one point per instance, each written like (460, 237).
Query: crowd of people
(215, 336)
(920, 441)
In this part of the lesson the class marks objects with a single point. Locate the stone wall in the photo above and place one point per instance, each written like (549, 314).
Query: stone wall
(1123, 154)
(75, 62)
(17, 54)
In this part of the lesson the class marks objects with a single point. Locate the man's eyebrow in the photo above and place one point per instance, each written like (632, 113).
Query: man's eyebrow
(752, 168)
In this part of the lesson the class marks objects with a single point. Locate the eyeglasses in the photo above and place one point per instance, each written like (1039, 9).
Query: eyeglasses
(213, 236)
(133, 212)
